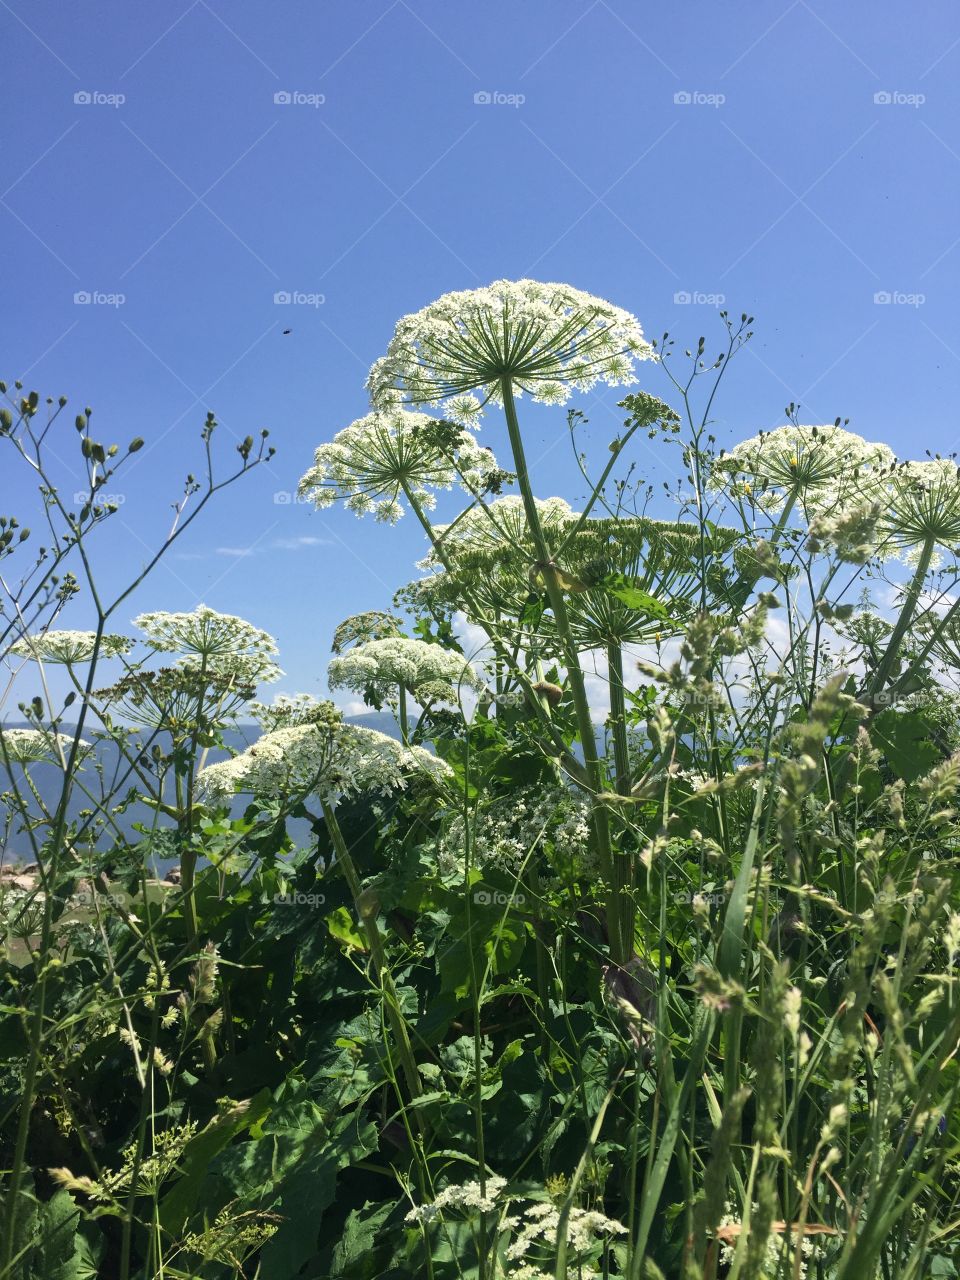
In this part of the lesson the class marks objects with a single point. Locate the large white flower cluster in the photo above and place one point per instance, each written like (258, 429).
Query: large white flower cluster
(28, 746)
(68, 647)
(728, 1232)
(539, 1224)
(288, 710)
(328, 760)
(427, 670)
(547, 339)
(371, 463)
(204, 632)
(503, 524)
(923, 503)
(510, 830)
(219, 643)
(816, 466)
(460, 1195)
(535, 1227)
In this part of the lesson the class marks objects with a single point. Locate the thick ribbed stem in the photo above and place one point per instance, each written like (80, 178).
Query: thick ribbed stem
(368, 919)
(614, 867)
(906, 617)
(618, 717)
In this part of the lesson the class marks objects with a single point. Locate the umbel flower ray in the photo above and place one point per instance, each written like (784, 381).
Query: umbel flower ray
(923, 504)
(68, 647)
(546, 339)
(385, 455)
(214, 643)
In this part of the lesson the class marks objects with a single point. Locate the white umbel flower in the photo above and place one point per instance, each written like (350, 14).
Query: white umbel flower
(540, 1224)
(328, 760)
(370, 464)
(924, 504)
(28, 746)
(382, 665)
(204, 632)
(547, 339)
(220, 643)
(461, 1195)
(508, 832)
(288, 710)
(817, 466)
(502, 525)
(68, 647)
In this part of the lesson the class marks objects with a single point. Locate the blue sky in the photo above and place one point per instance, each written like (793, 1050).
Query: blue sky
(798, 159)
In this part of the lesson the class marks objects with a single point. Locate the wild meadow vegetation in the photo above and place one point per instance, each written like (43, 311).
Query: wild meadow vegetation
(629, 952)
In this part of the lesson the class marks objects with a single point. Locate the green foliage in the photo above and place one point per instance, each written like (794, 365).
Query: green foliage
(669, 995)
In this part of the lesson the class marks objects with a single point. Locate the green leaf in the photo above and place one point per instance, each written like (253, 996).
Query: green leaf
(361, 1231)
(49, 1241)
(187, 1194)
(626, 590)
(907, 742)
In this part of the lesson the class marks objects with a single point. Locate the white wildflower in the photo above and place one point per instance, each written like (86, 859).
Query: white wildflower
(514, 827)
(502, 525)
(545, 338)
(328, 760)
(728, 1232)
(465, 1195)
(924, 504)
(205, 633)
(817, 466)
(381, 457)
(69, 646)
(375, 624)
(541, 1223)
(287, 710)
(381, 666)
(219, 644)
(27, 746)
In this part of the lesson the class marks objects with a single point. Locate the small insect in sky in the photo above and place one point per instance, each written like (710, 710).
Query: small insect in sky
(288, 331)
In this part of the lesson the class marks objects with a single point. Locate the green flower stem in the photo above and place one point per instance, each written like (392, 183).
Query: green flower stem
(747, 581)
(368, 919)
(615, 868)
(906, 617)
(618, 717)
(597, 489)
(402, 716)
(570, 761)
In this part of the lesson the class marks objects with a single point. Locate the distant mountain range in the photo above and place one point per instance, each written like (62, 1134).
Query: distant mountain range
(47, 780)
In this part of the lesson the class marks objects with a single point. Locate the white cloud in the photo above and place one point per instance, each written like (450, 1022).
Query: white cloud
(294, 544)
